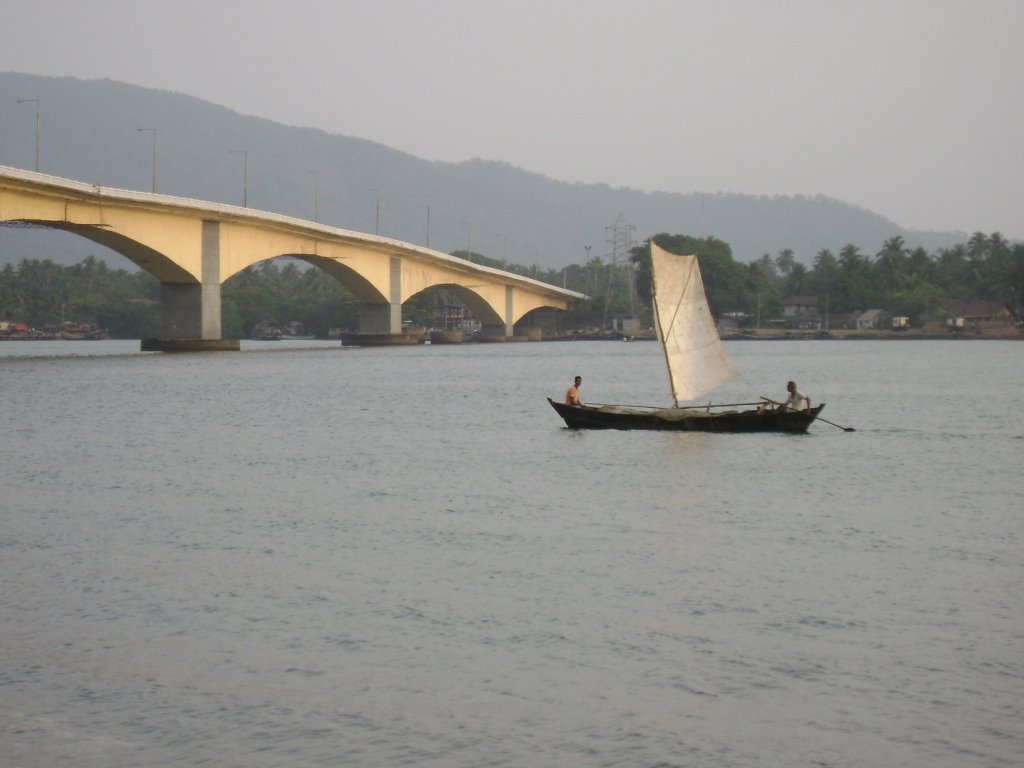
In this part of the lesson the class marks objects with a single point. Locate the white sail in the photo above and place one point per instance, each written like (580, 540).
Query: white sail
(697, 361)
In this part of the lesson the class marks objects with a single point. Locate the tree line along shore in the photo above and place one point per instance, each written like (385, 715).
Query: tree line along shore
(775, 297)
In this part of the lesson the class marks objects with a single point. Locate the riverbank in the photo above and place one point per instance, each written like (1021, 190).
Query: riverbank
(934, 331)
(995, 331)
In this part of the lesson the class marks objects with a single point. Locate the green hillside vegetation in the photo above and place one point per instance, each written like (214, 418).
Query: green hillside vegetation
(900, 280)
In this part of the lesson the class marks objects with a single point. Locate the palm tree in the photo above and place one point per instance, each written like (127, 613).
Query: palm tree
(952, 269)
(825, 268)
(852, 288)
(784, 261)
(920, 265)
(977, 246)
(997, 244)
(995, 271)
(890, 264)
(977, 255)
(851, 259)
(798, 283)
(825, 259)
(766, 266)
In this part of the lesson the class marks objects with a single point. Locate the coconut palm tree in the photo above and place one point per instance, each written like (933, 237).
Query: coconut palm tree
(920, 265)
(851, 259)
(890, 265)
(953, 270)
(977, 246)
(784, 261)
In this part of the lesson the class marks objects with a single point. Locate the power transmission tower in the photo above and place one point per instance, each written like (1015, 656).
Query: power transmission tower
(621, 241)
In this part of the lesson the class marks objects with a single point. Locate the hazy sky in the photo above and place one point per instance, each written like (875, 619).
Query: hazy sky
(911, 108)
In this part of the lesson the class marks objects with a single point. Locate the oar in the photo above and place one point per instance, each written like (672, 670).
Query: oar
(838, 426)
(845, 429)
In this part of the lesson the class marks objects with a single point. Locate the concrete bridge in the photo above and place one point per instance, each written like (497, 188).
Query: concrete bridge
(192, 247)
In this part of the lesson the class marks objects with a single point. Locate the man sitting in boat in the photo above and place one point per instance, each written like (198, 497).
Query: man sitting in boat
(797, 401)
(572, 394)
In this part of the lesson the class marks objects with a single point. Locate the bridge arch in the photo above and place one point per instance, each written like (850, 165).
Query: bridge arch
(481, 308)
(354, 282)
(145, 258)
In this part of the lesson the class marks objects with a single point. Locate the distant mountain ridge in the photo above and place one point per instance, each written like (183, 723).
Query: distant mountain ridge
(90, 132)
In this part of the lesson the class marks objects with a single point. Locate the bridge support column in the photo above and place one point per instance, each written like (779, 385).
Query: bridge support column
(385, 318)
(381, 324)
(501, 332)
(190, 317)
(380, 318)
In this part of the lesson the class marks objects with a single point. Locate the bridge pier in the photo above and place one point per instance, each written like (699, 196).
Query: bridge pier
(380, 318)
(495, 332)
(385, 318)
(190, 313)
(380, 325)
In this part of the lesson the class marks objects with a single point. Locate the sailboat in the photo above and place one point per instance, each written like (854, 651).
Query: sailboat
(697, 364)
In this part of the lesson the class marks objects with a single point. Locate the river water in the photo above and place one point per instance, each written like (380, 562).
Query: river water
(303, 555)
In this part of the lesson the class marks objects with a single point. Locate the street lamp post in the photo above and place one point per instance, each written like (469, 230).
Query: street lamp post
(586, 264)
(376, 220)
(504, 249)
(36, 102)
(142, 130)
(428, 223)
(245, 174)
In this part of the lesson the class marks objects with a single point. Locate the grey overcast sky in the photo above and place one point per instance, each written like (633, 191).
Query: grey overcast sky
(910, 108)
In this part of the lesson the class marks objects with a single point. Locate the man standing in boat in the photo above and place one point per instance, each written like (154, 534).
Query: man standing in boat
(797, 400)
(572, 394)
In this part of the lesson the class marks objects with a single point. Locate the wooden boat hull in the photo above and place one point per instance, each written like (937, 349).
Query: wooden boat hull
(684, 420)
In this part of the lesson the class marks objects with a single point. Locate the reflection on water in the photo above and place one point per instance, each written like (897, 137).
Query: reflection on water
(375, 557)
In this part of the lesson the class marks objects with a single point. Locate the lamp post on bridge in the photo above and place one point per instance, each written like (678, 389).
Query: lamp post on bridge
(504, 249)
(36, 102)
(245, 174)
(142, 130)
(376, 220)
(428, 223)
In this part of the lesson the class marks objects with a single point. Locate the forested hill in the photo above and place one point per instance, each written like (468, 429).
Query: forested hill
(89, 132)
